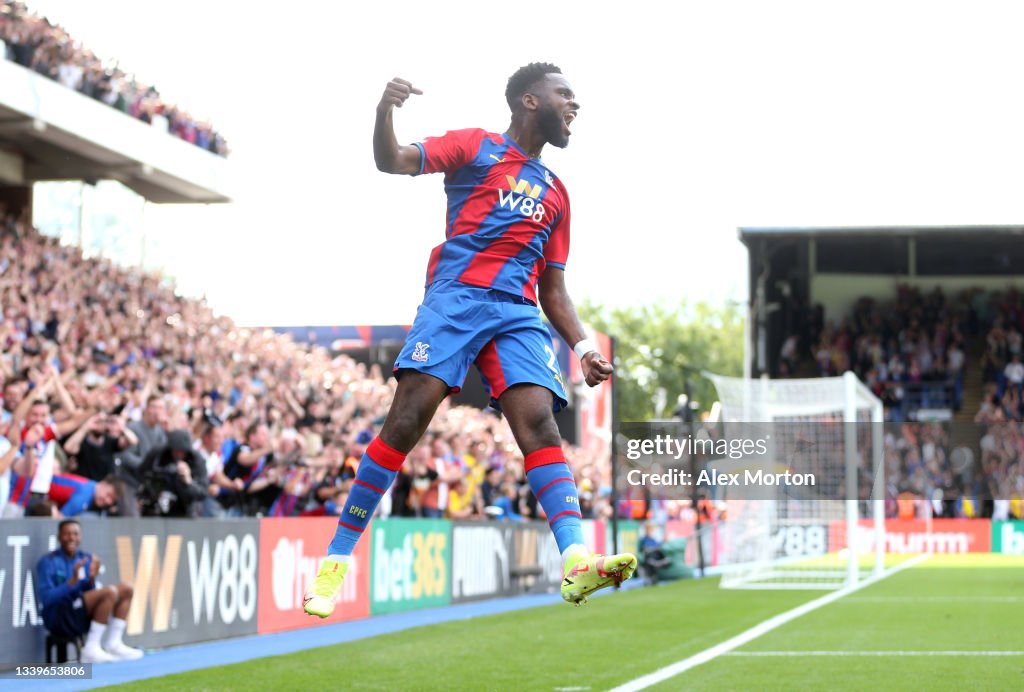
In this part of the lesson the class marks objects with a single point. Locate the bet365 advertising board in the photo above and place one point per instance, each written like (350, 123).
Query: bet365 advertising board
(410, 564)
(1008, 537)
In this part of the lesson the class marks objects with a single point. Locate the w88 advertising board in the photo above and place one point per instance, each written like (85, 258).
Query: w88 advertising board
(193, 580)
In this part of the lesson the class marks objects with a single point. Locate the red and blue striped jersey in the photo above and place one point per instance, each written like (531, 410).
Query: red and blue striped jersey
(507, 217)
(73, 494)
(20, 490)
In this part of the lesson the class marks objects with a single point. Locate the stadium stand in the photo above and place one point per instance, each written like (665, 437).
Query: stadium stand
(279, 427)
(110, 339)
(48, 49)
(945, 363)
(930, 318)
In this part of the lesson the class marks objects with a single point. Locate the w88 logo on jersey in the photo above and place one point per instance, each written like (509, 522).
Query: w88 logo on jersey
(522, 197)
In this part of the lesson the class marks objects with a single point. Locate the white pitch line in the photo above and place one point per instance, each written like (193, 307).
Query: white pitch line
(754, 632)
(797, 654)
(936, 599)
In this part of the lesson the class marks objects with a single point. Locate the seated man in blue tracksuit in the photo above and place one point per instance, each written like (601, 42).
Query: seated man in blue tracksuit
(73, 605)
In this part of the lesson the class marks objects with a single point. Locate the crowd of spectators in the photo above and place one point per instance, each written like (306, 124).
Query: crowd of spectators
(1001, 366)
(923, 465)
(917, 341)
(920, 340)
(121, 397)
(37, 44)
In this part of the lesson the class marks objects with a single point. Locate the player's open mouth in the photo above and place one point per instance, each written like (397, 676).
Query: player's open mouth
(568, 118)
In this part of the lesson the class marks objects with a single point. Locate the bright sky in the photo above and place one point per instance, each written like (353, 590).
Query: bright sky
(696, 119)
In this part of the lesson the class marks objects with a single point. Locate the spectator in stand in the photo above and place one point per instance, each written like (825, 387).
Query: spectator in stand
(1010, 405)
(253, 463)
(295, 498)
(73, 603)
(423, 499)
(15, 389)
(449, 471)
(234, 426)
(507, 502)
(1014, 340)
(76, 495)
(995, 352)
(95, 444)
(8, 455)
(334, 481)
(490, 489)
(208, 448)
(956, 361)
(1013, 376)
(42, 449)
(20, 471)
(464, 500)
(151, 432)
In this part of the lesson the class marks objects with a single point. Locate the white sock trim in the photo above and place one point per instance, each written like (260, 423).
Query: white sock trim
(574, 549)
(347, 559)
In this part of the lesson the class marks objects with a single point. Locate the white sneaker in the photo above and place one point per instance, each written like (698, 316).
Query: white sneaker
(94, 654)
(123, 652)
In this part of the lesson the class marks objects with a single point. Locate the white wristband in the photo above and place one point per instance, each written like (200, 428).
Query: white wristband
(584, 347)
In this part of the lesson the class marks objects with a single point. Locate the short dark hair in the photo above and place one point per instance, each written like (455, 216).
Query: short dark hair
(253, 427)
(523, 80)
(65, 522)
(42, 508)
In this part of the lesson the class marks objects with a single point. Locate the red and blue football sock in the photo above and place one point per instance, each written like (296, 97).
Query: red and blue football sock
(555, 489)
(377, 471)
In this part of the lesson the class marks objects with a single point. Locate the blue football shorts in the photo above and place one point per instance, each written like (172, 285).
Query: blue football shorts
(458, 325)
(69, 621)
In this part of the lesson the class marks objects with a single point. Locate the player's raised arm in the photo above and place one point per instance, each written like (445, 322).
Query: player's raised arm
(387, 153)
(560, 311)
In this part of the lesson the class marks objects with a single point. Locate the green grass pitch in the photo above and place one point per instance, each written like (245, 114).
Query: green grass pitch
(919, 629)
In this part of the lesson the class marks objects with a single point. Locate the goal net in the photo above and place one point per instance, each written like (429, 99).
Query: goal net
(821, 522)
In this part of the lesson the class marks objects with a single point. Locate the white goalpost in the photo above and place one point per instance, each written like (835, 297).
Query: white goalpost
(827, 534)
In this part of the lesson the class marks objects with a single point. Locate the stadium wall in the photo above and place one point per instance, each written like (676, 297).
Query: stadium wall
(197, 580)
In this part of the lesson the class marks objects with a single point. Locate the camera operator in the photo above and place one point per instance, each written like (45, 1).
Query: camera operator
(173, 478)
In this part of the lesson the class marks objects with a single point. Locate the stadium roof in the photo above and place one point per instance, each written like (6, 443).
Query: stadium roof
(905, 231)
(50, 132)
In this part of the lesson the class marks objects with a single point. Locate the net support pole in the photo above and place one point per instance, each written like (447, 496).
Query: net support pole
(878, 492)
(850, 464)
